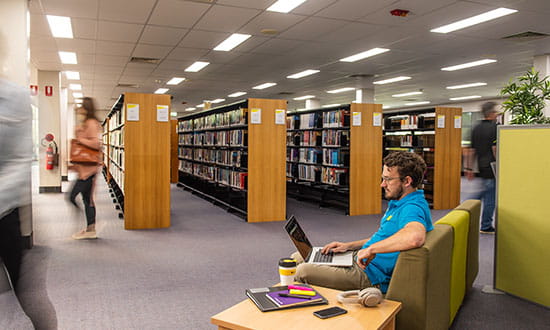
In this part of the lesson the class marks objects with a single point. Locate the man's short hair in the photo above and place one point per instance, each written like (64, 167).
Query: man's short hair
(407, 164)
(487, 108)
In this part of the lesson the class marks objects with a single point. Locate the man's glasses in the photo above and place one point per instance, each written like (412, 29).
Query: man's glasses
(387, 179)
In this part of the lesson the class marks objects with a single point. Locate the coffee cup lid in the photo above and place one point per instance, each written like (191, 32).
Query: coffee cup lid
(287, 262)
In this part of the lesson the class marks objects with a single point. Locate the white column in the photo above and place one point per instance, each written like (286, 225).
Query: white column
(542, 65)
(313, 103)
(63, 140)
(14, 66)
(49, 122)
(364, 89)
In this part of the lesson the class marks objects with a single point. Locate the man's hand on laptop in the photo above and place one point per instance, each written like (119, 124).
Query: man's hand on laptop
(335, 247)
(364, 257)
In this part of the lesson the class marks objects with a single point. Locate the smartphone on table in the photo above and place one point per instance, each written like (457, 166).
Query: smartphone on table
(329, 312)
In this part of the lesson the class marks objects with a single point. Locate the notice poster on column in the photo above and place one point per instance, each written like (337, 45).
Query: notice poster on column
(356, 119)
(132, 112)
(458, 121)
(162, 112)
(376, 119)
(280, 118)
(440, 121)
(255, 116)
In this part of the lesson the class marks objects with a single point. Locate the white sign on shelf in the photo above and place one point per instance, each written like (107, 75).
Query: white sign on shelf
(376, 119)
(255, 116)
(356, 118)
(458, 121)
(132, 112)
(440, 121)
(280, 117)
(162, 112)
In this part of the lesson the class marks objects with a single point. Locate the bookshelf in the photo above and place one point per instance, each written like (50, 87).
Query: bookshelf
(227, 158)
(173, 151)
(138, 162)
(334, 159)
(434, 134)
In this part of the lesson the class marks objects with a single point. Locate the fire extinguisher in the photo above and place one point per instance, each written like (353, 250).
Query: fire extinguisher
(51, 153)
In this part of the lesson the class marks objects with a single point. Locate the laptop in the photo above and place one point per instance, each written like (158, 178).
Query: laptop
(312, 254)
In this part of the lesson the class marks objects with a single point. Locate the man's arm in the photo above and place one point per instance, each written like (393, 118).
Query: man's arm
(411, 236)
(470, 154)
(339, 247)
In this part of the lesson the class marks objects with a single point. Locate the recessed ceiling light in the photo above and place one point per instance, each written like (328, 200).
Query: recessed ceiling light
(285, 6)
(200, 105)
(161, 90)
(341, 90)
(468, 65)
(190, 109)
(175, 81)
(78, 105)
(68, 57)
(387, 106)
(407, 94)
(233, 41)
(331, 105)
(467, 85)
(78, 101)
(197, 66)
(418, 103)
(60, 26)
(302, 74)
(490, 15)
(173, 114)
(75, 87)
(72, 75)
(78, 95)
(264, 86)
(368, 53)
(391, 80)
(307, 97)
(237, 94)
(465, 97)
(217, 100)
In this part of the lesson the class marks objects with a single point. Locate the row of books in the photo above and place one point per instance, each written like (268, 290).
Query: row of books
(221, 157)
(338, 118)
(117, 174)
(335, 138)
(116, 119)
(186, 139)
(314, 173)
(319, 119)
(218, 120)
(117, 155)
(426, 120)
(235, 179)
(117, 137)
(335, 157)
(422, 141)
(221, 138)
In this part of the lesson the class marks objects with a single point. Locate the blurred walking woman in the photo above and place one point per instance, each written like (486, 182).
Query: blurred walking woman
(88, 133)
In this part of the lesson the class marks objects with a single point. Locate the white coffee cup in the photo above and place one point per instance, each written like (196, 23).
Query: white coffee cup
(287, 270)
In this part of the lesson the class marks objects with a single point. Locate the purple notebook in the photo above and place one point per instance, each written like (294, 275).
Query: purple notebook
(290, 301)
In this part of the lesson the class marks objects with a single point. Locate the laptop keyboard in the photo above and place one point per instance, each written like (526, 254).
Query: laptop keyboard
(319, 257)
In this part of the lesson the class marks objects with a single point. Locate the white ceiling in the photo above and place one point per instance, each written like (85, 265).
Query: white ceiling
(314, 35)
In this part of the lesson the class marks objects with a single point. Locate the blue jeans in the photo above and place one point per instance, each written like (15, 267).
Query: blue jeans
(487, 197)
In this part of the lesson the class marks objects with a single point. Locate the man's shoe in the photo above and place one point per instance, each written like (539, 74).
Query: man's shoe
(83, 234)
(489, 230)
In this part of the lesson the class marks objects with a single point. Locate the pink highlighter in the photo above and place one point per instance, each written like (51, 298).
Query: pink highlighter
(296, 287)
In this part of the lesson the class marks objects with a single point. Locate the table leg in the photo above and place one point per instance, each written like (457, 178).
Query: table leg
(390, 325)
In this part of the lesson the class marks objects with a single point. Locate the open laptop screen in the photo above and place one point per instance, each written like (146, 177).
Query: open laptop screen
(298, 237)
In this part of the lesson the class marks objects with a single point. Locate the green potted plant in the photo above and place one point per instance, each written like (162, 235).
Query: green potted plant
(526, 99)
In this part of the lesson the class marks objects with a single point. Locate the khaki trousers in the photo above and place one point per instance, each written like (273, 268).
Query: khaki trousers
(339, 278)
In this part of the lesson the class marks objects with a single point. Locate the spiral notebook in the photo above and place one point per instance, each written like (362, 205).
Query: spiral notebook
(268, 299)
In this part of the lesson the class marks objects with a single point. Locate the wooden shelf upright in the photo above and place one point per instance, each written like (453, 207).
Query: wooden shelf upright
(226, 157)
(139, 159)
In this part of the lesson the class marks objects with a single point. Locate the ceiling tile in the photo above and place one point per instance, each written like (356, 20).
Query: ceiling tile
(162, 35)
(257, 4)
(125, 10)
(351, 32)
(234, 18)
(143, 50)
(221, 57)
(203, 39)
(118, 31)
(139, 68)
(42, 43)
(184, 53)
(271, 20)
(80, 46)
(39, 26)
(276, 46)
(73, 8)
(312, 28)
(312, 7)
(352, 9)
(177, 13)
(84, 28)
(114, 48)
(111, 60)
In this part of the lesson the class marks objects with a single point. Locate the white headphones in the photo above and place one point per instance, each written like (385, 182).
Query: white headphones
(368, 297)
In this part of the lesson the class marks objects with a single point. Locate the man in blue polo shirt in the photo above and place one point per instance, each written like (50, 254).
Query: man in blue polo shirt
(403, 227)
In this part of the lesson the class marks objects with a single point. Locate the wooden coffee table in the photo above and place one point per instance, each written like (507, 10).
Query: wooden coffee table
(245, 315)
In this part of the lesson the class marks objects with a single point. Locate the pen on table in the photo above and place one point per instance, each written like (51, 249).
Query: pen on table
(293, 296)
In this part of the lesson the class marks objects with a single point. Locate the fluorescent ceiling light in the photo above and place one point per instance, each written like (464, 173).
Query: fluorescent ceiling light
(418, 103)
(78, 95)
(175, 81)
(465, 97)
(368, 53)
(237, 94)
(285, 6)
(68, 57)
(173, 114)
(190, 109)
(387, 81)
(78, 105)
(302, 109)
(264, 86)
(490, 15)
(468, 65)
(200, 105)
(197, 66)
(161, 90)
(78, 100)
(387, 106)
(406, 94)
(340, 90)
(72, 75)
(60, 26)
(217, 100)
(302, 74)
(331, 105)
(467, 85)
(304, 97)
(75, 87)
(233, 41)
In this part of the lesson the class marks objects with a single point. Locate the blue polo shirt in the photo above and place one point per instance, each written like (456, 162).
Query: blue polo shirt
(412, 207)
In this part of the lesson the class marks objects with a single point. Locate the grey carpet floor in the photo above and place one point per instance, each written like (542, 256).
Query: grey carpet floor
(177, 278)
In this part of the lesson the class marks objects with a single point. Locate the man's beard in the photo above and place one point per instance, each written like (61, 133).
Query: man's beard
(396, 196)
